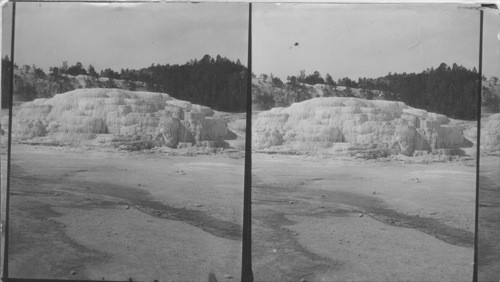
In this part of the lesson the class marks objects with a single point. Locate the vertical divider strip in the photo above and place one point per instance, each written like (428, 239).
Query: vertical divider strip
(5, 182)
(246, 262)
(478, 151)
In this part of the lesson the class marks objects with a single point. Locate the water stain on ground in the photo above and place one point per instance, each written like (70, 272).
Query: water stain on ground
(35, 236)
(300, 262)
(372, 206)
(136, 197)
(35, 230)
(275, 201)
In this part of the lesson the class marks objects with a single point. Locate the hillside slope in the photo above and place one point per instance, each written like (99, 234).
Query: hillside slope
(266, 94)
(29, 85)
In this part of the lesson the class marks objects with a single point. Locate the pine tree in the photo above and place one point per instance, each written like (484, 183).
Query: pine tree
(329, 80)
(91, 71)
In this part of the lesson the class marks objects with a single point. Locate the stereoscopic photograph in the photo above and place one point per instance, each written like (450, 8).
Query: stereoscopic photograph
(128, 138)
(124, 155)
(363, 137)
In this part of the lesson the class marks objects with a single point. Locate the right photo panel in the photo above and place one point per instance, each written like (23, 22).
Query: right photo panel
(489, 170)
(364, 141)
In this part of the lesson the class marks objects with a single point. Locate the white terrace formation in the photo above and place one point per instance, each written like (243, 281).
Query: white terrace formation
(321, 123)
(85, 113)
(490, 133)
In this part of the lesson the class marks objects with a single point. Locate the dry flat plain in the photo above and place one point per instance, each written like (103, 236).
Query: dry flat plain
(323, 219)
(101, 213)
(489, 219)
(94, 214)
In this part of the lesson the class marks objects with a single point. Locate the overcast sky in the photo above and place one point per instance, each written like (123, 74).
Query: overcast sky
(366, 40)
(128, 35)
(343, 40)
(491, 45)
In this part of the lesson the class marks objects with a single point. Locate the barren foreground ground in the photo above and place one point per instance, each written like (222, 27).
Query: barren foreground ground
(341, 220)
(83, 214)
(104, 214)
(489, 219)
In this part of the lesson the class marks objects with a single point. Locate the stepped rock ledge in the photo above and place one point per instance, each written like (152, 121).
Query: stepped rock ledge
(326, 123)
(85, 114)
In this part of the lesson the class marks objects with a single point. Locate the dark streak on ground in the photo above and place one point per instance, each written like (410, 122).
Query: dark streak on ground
(35, 236)
(140, 199)
(301, 263)
(144, 202)
(291, 199)
(373, 207)
(212, 225)
(35, 232)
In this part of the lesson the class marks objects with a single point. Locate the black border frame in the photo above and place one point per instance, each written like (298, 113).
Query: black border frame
(246, 270)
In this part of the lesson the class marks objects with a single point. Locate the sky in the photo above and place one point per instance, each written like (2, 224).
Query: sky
(367, 40)
(127, 35)
(491, 44)
(343, 40)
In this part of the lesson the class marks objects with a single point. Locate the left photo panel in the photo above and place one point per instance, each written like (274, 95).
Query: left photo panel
(127, 141)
